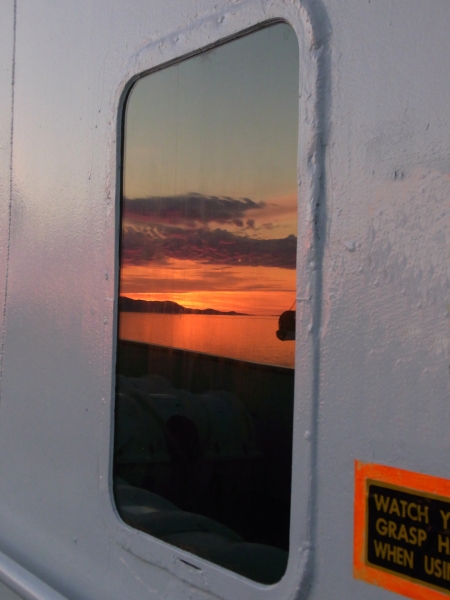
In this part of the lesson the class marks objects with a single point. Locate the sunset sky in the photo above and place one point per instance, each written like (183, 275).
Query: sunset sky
(210, 178)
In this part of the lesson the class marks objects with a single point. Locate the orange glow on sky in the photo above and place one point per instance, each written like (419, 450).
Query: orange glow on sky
(251, 303)
(253, 290)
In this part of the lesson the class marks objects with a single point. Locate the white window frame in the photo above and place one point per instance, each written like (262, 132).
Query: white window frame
(200, 36)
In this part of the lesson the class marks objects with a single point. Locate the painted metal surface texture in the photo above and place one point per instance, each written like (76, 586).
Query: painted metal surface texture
(373, 336)
(7, 594)
(6, 99)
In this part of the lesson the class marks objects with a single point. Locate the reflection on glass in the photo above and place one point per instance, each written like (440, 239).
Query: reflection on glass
(205, 365)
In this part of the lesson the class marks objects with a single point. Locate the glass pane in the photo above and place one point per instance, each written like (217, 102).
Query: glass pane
(205, 362)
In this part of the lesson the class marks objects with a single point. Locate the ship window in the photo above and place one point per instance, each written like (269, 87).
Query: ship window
(206, 331)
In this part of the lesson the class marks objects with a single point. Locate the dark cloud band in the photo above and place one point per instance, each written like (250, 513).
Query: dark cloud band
(206, 246)
(190, 208)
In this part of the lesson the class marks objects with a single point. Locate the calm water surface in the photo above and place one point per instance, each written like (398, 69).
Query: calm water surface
(244, 338)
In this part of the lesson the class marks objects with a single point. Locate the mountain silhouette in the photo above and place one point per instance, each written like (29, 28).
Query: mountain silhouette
(167, 307)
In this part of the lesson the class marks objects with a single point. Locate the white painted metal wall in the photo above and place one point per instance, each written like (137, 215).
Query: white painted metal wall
(373, 342)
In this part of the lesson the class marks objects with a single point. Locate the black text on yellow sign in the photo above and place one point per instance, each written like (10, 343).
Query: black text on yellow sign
(409, 534)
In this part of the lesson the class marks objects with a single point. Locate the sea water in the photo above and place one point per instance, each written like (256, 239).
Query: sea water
(249, 338)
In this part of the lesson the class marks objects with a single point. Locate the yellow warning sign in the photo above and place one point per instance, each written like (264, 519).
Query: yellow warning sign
(402, 531)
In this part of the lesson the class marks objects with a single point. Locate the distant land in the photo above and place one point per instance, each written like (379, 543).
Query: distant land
(167, 307)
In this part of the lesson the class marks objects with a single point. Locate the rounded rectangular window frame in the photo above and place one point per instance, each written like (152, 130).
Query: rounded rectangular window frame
(186, 567)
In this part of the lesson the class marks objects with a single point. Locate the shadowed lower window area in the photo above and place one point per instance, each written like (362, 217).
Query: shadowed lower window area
(206, 330)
